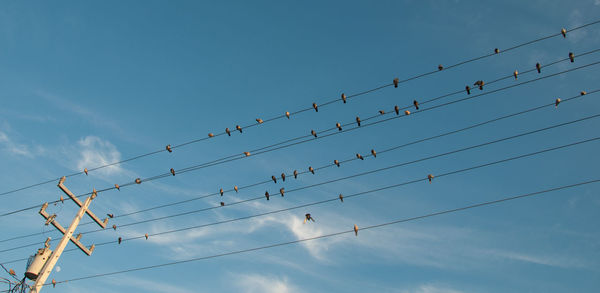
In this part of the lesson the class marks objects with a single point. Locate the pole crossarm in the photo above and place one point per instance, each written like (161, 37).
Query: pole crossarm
(51, 219)
(80, 204)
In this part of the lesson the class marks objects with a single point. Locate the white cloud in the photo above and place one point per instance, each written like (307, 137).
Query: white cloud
(597, 2)
(147, 285)
(94, 152)
(19, 149)
(428, 288)
(547, 260)
(253, 283)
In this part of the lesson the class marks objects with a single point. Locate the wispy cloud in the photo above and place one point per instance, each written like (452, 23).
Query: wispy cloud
(93, 152)
(148, 285)
(546, 260)
(253, 283)
(19, 149)
(430, 288)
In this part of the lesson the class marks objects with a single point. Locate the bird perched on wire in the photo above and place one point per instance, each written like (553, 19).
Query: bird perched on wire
(274, 178)
(110, 215)
(120, 239)
(235, 188)
(146, 235)
(228, 131)
(571, 57)
(222, 204)
(440, 67)
(238, 128)
(287, 114)
(62, 199)
(397, 109)
(311, 169)
(468, 89)
(282, 191)
(583, 93)
(396, 82)
(53, 283)
(563, 31)
(295, 174)
(430, 177)
(336, 162)
(12, 272)
(359, 156)
(538, 67)
(374, 153)
(283, 177)
(516, 74)
(355, 230)
(416, 104)
(85, 171)
(168, 148)
(339, 126)
(114, 227)
(406, 112)
(247, 154)
(358, 120)
(496, 51)
(480, 84)
(221, 191)
(341, 197)
(315, 107)
(138, 181)
(118, 187)
(210, 134)
(308, 217)
(344, 98)
(556, 102)
(381, 112)
(172, 171)
(260, 121)
(267, 195)
(313, 133)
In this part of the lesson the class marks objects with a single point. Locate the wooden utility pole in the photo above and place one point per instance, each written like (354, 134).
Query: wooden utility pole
(68, 233)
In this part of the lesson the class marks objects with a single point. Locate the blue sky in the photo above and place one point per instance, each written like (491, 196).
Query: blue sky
(87, 83)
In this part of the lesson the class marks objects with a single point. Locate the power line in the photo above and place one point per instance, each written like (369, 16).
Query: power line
(205, 165)
(323, 104)
(370, 172)
(404, 220)
(331, 165)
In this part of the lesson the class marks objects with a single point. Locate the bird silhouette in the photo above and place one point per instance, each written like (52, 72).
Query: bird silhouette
(381, 112)
(222, 204)
(53, 283)
(309, 218)
(315, 107)
(358, 120)
(583, 93)
(416, 104)
(516, 74)
(295, 174)
(359, 156)
(210, 134)
(146, 235)
(479, 83)
(228, 131)
(117, 187)
(172, 171)
(85, 171)
(247, 154)
(235, 188)
(287, 114)
(336, 162)
(496, 51)
(120, 239)
(538, 67)
(374, 153)
(396, 82)
(468, 88)
(563, 31)
(430, 177)
(282, 191)
(339, 126)
(344, 98)
(355, 230)
(283, 177)
(238, 128)
(571, 57)
(397, 109)
(313, 133)
(259, 120)
(556, 102)
(274, 178)
(267, 195)
(341, 197)
(440, 67)
(110, 215)
(138, 180)
(114, 227)
(168, 148)
(221, 191)
(12, 272)
(311, 170)
(62, 199)
(406, 112)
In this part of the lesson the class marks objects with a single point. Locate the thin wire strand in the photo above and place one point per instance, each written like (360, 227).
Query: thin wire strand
(307, 109)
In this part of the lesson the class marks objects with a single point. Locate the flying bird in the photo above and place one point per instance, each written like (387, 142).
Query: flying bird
(339, 126)
(479, 83)
(571, 57)
(311, 169)
(295, 174)
(221, 191)
(282, 191)
(120, 239)
(313, 133)
(374, 153)
(344, 98)
(538, 67)
(430, 177)
(336, 162)
(287, 114)
(315, 107)
(556, 102)
(85, 171)
(396, 82)
(563, 31)
(247, 154)
(259, 120)
(238, 128)
(168, 148)
(228, 131)
(416, 104)
(468, 88)
(283, 177)
(341, 197)
(359, 156)
(308, 217)
(274, 178)
(406, 112)
(358, 120)
(355, 230)
(440, 67)
(515, 74)
(172, 171)
(110, 215)
(138, 180)
(118, 187)
(210, 134)
(267, 195)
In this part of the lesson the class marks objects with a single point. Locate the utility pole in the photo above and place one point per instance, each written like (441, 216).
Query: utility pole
(68, 233)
